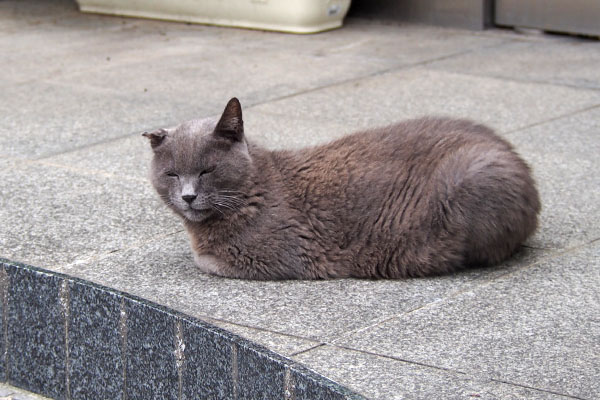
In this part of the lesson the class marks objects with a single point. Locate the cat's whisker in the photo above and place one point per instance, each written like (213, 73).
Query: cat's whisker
(227, 206)
(214, 207)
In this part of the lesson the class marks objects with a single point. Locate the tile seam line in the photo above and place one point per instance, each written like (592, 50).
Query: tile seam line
(476, 286)
(374, 74)
(514, 80)
(534, 388)
(43, 160)
(294, 354)
(553, 119)
(212, 320)
(94, 257)
(381, 72)
(82, 171)
(449, 370)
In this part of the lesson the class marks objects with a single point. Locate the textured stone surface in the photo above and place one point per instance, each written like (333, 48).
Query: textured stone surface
(563, 155)
(559, 60)
(526, 328)
(384, 378)
(151, 366)
(77, 89)
(144, 74)
(66, 217)
(259, 376)
(207, 364)
(95, 343)
(309, 385)
(36, 332)
(163, 271)
(8, 392)
(283, 344)
(118, 347)
(128, 156)
(32, 129)
(418, 91)
(4, 287)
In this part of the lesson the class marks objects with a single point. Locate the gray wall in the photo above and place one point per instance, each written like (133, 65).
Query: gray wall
(469, 14)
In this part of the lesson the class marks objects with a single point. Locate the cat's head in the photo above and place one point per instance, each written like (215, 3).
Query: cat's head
(200, 168)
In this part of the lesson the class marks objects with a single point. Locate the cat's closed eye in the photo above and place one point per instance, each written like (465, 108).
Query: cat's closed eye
(207, 171)
(172, 174)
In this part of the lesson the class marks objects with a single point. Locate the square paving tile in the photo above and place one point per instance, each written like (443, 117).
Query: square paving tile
(418, 91)
(163, 271)
(563, 155)
(34, 129)
(383, 378)
(565, 61)
(537, 328)
(52, 216)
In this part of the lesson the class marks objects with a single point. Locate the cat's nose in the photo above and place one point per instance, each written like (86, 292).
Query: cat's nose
(189, 198)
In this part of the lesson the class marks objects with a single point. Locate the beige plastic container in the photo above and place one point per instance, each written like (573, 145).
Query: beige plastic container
(297, 16)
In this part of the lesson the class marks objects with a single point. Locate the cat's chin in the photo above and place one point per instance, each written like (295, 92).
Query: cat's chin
(193, 215)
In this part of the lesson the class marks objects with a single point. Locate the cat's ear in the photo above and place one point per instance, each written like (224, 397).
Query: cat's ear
(231, 125)
(156, 138)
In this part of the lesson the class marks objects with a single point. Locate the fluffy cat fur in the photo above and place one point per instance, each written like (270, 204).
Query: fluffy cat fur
(424, 196)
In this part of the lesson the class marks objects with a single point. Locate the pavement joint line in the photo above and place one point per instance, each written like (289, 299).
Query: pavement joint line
(517, 80)
(383, 320)
(85, 171)
(42, 159)
(86, 146)
(367, 76)
(476, 285)
(342, 82)
(381, 72)
(93, 257)
(403, 360)
(450, 370)
(538, 389)
(307, 350)
(215, 322)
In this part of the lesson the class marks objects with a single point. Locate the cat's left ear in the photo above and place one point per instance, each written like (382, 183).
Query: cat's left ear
(156, 137)
(231, 125)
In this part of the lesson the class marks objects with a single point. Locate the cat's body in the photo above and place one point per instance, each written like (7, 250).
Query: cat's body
(421, 197)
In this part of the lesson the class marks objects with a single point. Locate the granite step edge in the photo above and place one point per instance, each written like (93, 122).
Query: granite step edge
(66, 338)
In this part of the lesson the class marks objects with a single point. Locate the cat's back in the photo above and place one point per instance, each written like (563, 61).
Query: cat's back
(417, 138)
(416, 144)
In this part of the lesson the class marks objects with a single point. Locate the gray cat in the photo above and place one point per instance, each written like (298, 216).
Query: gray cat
(421, 197)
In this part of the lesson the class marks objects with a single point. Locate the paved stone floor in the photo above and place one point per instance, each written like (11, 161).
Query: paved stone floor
(12, 393)
(77, 90)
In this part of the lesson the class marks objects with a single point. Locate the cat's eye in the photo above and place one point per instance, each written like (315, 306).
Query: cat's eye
(172, 174)
(207, 171)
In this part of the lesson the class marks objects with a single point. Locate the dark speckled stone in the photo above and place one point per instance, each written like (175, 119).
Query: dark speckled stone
(4, 281)
(95, 360)
(307, 385)
(36, 333)
(69, 338)
(207, 366)
(260, 375)
(151, 369)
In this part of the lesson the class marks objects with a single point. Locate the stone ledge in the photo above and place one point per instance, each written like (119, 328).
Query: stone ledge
(66, 338)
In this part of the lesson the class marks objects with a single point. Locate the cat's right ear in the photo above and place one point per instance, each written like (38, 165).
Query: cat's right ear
(156, 138)
(231, 125)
